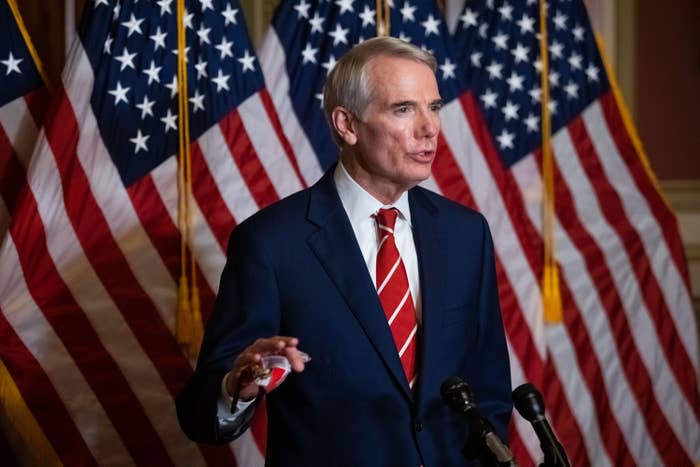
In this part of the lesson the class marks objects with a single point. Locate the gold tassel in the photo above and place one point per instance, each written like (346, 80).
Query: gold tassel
(183, 322)
(197, 328)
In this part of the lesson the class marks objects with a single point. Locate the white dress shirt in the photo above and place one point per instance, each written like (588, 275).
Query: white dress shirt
(360, 207)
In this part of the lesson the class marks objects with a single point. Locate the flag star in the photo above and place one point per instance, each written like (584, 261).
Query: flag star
(169, 121)
(319, 96)
(535, 94)
(197, 101)
(367, 16)
(592, 72)
(140, 142)
(500, 40)
(532, 2)
(126, 59)
(560, 20)
(556, 49)
(201, 67)
(404, 37)
(146, 107)
(229, 15)
(407, 12)
(101, 2)
(188, 19)
(207, 4)
(483, 30)
(247, 61)
(177, 52)
(510, 111)
(330, 64)
(309, 54)
(505, 139)
(159, 38)
(575, 61)
(469, 18)
(448, 69)
(221, 81)
(515, 82)
(203, 34)
(526, 24)
(476, 59)
(115, 11)
(225, 48)
(108, 45)
(316, 23)
(552, 106)
(494, 70)
(345, 5)
(134, 25)
(153, 72)
(571, 90)
(489, 98)
(431, 25)
(578, 32)
(165, 6)
(489, 4)
(339, 35)
(553, 78)
(119, 93)
(172, 86)
(538, 65)
(12, 64)
(302, 9)
(532, 123)
(520, 53)
(506, 12)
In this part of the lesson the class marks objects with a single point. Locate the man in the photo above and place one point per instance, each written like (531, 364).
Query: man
(388, 287)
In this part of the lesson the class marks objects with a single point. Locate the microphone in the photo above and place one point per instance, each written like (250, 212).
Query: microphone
(458, 397)
(529, 403)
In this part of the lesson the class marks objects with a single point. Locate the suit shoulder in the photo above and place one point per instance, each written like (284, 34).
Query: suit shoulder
(278, 216)
(456, 211)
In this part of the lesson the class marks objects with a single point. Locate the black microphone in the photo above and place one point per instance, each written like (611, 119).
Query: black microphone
(457, 395)
(529, 403)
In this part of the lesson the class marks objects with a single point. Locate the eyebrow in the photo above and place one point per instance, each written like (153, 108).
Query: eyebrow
(414, 103)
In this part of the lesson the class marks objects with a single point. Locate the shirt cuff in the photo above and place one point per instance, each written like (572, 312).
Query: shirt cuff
(225, 403)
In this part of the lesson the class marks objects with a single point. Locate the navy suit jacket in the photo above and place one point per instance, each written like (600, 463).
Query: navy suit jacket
(295, 269)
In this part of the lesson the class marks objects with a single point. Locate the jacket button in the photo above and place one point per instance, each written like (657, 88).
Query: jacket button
(418, 426)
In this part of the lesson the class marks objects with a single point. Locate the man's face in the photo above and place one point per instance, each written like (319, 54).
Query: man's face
(396, 137)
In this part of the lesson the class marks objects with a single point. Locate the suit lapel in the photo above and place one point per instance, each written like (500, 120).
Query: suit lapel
(336, 248)
(431, 247)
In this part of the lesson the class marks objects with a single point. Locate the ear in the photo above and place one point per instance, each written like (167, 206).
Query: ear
(344, 124)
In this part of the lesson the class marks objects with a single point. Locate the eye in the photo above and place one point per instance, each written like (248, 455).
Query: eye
(436, 107)
(402, 109)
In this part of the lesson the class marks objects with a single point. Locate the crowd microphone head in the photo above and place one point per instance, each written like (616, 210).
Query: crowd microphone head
(528, 401)
(456, 394)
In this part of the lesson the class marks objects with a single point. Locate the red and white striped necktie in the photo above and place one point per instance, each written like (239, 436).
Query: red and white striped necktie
(395, 294)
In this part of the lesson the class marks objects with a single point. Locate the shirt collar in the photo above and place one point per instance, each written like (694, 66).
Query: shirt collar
(358, 203)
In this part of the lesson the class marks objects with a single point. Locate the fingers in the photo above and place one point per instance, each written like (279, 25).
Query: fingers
(243, 373)
(296, 358)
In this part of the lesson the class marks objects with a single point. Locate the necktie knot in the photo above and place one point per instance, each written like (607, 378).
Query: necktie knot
(387, 218)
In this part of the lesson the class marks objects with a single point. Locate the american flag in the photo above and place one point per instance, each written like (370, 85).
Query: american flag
(619, 372)
(89, 268)
(23, 99)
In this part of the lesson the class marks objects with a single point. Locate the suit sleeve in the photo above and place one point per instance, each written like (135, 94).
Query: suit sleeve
(246, 308)
(494, 385)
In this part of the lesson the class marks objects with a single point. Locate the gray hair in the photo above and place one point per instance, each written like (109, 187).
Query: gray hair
(348, 85)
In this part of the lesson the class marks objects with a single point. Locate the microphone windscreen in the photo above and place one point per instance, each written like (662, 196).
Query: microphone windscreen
(528, 401)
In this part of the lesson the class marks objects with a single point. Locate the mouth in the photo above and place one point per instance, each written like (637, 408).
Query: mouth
(423, 156)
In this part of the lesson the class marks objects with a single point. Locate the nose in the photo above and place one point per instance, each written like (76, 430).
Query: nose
(428, 125)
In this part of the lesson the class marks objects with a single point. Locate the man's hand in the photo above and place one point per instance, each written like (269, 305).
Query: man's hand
(241, 380)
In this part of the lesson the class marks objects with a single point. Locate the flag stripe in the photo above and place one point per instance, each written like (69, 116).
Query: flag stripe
(272, 61)
(660, 211)
(249, 164)
(611, 329)
(11, 174)
(40, 394)
(209, 199)
(63, 314)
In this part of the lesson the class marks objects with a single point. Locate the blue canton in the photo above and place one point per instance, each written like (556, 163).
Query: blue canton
(132, 47)
(18, 74)
(498, 44)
